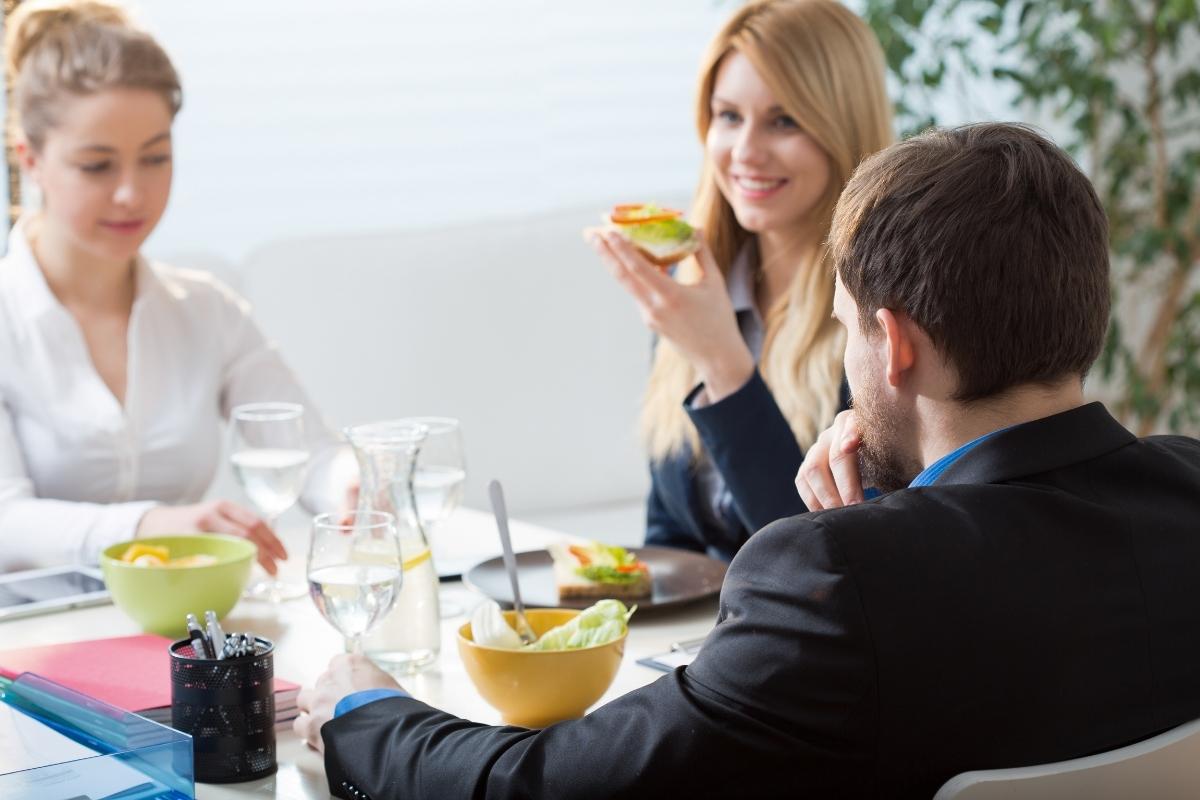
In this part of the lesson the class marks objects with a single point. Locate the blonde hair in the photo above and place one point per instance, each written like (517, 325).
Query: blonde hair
(826, 69)
(78, 47)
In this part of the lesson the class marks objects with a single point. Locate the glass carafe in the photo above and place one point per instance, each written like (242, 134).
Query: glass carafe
(408, 639)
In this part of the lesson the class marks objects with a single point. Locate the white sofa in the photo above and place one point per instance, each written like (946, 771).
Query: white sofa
(513, 327)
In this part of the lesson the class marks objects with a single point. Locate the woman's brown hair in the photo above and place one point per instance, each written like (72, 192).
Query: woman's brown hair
(55, 50)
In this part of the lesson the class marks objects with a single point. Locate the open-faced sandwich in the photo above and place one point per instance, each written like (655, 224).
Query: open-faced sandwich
(592, 569)
(661, 234)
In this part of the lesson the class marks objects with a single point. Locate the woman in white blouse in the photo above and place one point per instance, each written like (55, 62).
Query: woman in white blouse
(115, 373)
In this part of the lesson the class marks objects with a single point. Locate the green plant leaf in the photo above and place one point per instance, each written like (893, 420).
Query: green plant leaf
(1073, 60)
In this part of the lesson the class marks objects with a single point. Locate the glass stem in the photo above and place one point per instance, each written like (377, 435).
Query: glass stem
(271, 520)
(354, 645)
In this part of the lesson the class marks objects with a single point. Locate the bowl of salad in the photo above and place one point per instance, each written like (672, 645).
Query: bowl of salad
(567, 669)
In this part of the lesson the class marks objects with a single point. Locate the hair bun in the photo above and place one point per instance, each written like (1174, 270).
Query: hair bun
(36, 22)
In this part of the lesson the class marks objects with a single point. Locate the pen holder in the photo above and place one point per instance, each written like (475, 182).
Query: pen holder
(228, 707)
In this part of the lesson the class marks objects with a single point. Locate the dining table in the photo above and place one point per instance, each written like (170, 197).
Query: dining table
(305, 643)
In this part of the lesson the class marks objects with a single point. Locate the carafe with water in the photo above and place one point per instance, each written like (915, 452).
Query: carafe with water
(408, 639)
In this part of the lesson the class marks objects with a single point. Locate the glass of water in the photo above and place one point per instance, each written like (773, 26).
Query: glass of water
(354, 571)
(441, 471)
(269, 454)
(438, 489)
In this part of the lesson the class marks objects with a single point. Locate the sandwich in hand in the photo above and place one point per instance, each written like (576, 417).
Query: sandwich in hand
(592, 569)
(659, 233)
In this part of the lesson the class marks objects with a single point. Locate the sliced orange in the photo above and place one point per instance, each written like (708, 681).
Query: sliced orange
(135, 551)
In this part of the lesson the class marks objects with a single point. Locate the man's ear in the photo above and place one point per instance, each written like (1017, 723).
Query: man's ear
(898, 344)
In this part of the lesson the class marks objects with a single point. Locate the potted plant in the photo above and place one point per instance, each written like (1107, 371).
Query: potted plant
(1121, 82)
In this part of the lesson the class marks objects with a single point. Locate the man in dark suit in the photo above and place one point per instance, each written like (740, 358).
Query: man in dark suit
(1028, 591)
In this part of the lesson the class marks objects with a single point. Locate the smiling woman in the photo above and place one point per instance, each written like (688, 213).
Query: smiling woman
(115, 373)
(747, 366)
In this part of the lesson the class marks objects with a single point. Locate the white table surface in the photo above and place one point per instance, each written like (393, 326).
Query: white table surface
(304, 643)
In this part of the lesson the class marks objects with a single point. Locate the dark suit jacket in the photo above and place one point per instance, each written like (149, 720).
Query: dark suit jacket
(1040, 601)
(754, 450)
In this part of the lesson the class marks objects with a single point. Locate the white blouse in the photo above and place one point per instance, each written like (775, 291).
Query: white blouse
(77, 469)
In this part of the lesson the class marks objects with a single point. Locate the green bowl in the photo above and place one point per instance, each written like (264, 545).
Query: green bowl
(160, 598)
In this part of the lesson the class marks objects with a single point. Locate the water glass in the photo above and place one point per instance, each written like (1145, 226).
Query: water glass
(269, 454)
(354, 571)
(438, 488)
(441, 471)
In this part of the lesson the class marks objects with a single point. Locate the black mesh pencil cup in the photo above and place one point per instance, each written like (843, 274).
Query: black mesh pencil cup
(228, 707)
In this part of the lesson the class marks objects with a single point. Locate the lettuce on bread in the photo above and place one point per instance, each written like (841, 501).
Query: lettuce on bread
(593, 569)
(660, 234)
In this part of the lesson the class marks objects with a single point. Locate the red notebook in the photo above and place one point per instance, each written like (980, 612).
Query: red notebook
(130, 672)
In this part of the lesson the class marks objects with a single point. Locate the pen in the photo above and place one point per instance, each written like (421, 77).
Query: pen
(199, 644)
(215, 634)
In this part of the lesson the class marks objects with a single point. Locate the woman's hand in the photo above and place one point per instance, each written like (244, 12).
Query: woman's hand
(216, 516)
(829, 476)
(698, 318)
(350, 501)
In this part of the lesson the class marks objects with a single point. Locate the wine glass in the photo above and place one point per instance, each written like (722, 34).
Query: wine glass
(354, 571)
(269, 454)
(441, 471)
(438, 484)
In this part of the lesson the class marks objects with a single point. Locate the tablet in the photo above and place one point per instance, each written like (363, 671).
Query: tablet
(38, 591)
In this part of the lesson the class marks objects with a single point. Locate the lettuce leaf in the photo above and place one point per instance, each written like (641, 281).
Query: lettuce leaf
(598, 624)
(661, 232)
(603, 574)
(607, 555)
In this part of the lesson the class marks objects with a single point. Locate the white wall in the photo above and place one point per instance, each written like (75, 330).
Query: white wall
(304, 117)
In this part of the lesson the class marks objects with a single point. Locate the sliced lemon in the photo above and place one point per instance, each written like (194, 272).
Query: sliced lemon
(419, 558)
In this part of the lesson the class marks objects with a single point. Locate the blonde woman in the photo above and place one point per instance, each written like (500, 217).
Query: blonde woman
(748, 364)
(115, 373)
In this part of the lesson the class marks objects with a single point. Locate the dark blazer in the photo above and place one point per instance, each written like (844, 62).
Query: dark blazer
(1040, 601)
(754, 450)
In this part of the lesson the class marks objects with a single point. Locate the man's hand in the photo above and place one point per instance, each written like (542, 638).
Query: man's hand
(216, 516)
(346, 675)
(829, 476)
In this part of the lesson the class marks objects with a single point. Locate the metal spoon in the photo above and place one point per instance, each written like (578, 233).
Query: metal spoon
(510, 561)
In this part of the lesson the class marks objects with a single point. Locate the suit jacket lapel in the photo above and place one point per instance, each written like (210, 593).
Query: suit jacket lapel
(1040, 446)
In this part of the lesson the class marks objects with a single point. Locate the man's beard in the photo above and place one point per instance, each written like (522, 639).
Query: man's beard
(882, 458)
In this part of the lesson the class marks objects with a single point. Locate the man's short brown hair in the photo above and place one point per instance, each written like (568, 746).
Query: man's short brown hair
(992, 240)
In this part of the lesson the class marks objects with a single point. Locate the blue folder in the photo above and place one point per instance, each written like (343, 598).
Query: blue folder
(58, 744)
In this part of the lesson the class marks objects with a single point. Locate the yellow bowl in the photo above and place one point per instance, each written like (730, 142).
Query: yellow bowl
(160, 598)
(535, 688)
